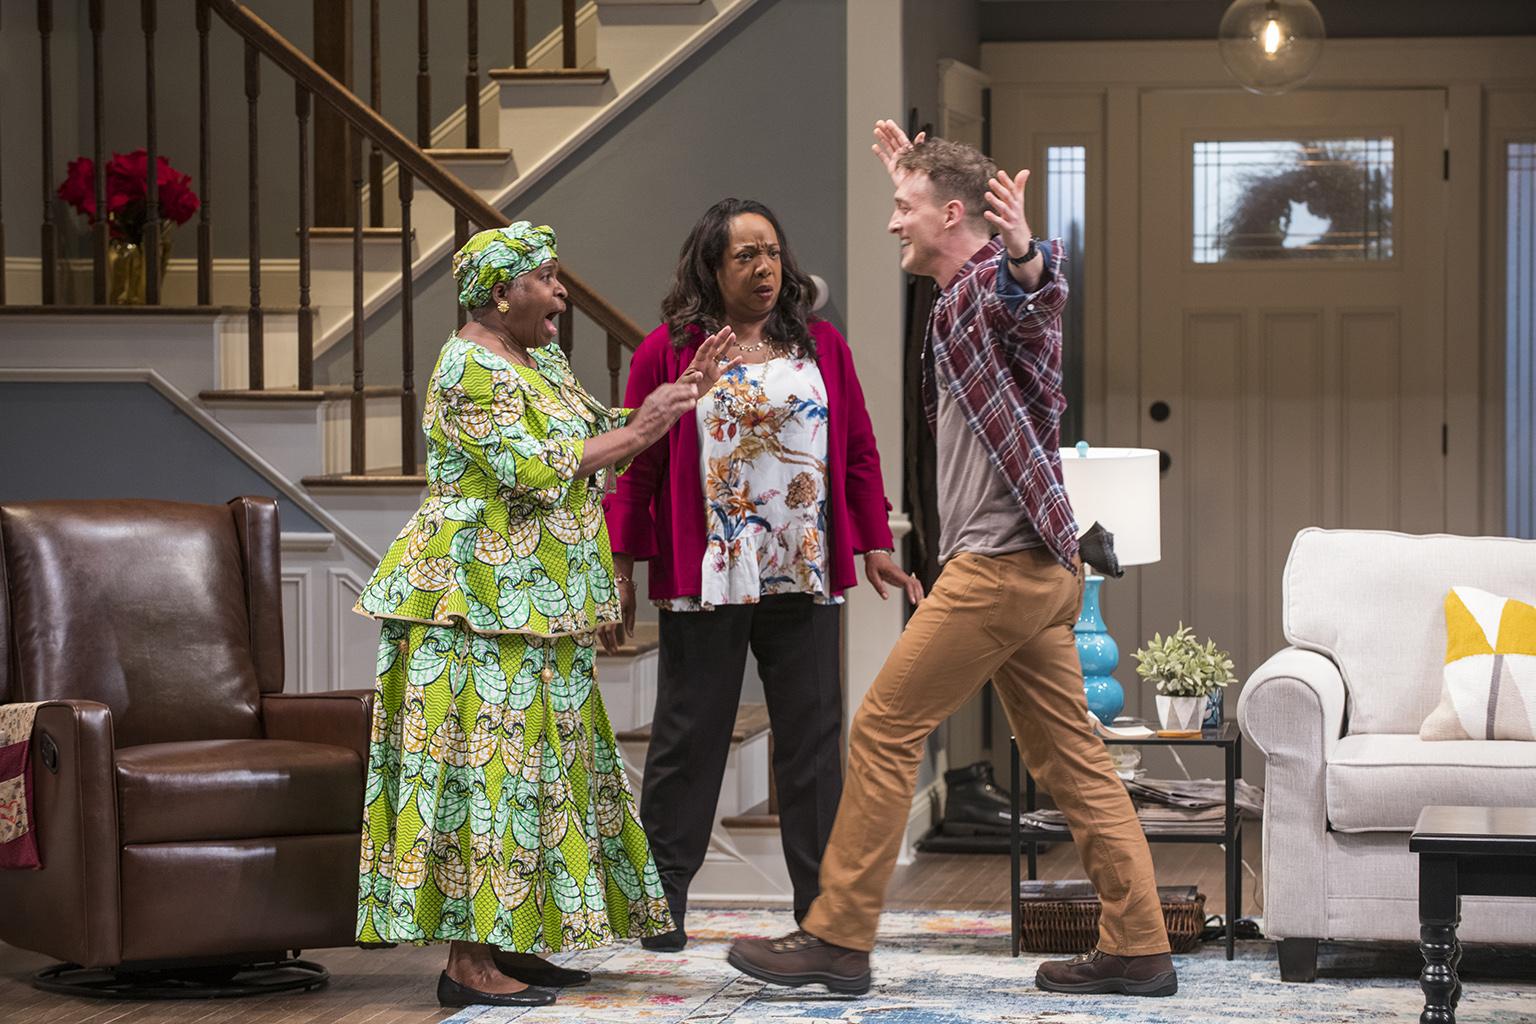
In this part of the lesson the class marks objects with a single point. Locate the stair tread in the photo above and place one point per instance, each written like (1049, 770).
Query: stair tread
(477, 155)
(751, 720)
(375, 478)
(262, 395)
(594, 76)
(754, 817)
(330, 234)
(324, 393)
(94, 310)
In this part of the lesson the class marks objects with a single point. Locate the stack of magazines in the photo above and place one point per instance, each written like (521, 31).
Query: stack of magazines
(1169, 806)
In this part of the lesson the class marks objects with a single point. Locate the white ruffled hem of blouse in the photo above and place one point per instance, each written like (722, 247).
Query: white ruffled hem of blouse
(740, 580)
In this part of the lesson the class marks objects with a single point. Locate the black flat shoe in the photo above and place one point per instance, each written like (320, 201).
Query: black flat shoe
(546, 975)
(451, 993)
(667, 942)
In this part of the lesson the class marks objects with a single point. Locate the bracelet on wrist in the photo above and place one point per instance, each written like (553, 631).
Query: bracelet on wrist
(881, 551)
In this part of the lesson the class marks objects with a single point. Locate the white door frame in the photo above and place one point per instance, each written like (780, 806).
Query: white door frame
(1030, 79)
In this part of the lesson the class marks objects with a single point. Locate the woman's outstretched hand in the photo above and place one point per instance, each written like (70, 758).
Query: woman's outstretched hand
(881, 569)
(706, 367)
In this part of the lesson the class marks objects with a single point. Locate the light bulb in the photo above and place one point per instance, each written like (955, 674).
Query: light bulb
(1270, 45)
(1271, 37)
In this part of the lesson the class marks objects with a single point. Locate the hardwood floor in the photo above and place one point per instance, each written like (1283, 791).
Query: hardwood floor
(397, 986)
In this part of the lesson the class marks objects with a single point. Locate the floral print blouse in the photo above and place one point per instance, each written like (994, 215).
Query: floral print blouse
(763, 457)
(508, 540)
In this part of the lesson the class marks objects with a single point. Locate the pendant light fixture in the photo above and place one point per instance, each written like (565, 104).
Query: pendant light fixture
(1270, 46)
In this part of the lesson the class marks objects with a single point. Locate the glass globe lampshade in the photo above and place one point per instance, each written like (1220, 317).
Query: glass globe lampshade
(1270, 46)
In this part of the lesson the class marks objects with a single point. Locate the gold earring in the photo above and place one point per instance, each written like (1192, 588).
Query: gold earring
(502, 306)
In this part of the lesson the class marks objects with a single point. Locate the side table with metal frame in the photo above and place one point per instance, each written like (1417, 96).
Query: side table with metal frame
(1228, 737)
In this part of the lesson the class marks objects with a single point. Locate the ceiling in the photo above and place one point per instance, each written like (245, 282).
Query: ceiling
(1019, 20)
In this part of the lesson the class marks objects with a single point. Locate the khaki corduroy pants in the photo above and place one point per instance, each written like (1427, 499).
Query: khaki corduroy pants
(1009, 619)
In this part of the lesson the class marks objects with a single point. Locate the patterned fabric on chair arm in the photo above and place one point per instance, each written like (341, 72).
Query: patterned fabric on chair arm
(1292, 708)
(342, 718)
(70, 909)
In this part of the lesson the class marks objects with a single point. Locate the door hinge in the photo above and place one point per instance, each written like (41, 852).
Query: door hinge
(1445, 170)
(1445, 439)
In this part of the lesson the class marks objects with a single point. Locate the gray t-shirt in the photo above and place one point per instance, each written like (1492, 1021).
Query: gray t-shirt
(977, 511)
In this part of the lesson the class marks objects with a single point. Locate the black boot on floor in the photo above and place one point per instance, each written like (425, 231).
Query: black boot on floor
(974, 805)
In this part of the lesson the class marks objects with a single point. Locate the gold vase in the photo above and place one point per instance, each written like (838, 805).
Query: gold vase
(127, 276)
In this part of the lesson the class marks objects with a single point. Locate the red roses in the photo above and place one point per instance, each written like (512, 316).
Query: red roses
(127, 191)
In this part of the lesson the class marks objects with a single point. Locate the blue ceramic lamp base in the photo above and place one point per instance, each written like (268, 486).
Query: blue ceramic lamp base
(1099, 655)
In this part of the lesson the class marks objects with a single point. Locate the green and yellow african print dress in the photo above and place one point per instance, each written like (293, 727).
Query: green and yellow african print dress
(497, 808)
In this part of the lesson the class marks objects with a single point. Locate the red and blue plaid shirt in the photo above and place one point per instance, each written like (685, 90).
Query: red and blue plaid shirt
(999, 349)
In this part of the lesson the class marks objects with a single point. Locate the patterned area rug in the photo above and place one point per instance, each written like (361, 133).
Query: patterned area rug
(953, 967)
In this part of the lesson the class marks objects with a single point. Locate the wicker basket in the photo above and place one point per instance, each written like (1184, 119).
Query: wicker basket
(1057, 917)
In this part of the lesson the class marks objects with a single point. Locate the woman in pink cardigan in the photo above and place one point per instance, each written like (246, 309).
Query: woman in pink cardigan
(751, 512)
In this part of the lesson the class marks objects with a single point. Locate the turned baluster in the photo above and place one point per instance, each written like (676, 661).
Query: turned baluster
(49, 231)
(151, 237)
(301, 104)
(519, 33)
(100, 232)
(359, 400)
(256, 342)
(423, 80)
(407, 334)
(204, 161)
(568, 32)
(376, 101)
(472, 77)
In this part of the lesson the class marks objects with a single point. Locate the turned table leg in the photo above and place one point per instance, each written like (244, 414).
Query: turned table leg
(1439, 914)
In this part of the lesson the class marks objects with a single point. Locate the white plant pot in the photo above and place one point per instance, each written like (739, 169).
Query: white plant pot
(1180, 714)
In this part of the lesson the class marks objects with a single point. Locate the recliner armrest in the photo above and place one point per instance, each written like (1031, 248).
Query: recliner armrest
(342, 718)
(1294, 703)
(70, 909)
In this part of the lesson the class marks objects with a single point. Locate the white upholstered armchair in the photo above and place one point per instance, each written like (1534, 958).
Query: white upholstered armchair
(1337, 714)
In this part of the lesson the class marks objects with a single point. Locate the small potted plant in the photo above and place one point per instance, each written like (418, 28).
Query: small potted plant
(1186, 672)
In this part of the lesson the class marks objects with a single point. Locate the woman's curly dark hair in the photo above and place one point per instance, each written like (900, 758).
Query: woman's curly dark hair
(694, 298)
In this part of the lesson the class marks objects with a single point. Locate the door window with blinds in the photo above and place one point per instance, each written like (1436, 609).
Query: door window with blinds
(1292, 199)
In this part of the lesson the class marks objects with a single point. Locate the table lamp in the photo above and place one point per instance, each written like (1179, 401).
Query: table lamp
(1117, 487)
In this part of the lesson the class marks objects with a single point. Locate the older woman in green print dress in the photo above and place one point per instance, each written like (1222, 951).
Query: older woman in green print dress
(497, 814)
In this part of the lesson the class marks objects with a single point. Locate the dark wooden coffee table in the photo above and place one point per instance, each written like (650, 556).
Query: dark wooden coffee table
(1464, 851)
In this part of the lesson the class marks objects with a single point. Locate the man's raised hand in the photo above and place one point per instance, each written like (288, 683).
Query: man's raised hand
(890, 143)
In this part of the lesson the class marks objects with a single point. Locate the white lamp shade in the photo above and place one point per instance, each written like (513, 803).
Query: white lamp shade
(1117, 487)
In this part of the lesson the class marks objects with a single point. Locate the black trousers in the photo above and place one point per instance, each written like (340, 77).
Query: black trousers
(702, 659)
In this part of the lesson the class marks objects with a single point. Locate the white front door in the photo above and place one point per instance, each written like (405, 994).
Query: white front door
(1293, 254)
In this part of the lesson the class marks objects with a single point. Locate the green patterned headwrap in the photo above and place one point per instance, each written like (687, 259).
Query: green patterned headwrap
(500, 254)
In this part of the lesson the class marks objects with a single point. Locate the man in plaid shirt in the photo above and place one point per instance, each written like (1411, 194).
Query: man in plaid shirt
(1003, 607)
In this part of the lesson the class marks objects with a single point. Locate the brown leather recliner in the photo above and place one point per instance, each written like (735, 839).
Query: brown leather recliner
(187, 809)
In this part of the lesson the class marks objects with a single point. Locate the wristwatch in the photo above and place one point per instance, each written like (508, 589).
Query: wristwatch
(1029, 254)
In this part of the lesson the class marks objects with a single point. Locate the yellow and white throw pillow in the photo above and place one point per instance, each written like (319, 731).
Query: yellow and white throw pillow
(1490, 670)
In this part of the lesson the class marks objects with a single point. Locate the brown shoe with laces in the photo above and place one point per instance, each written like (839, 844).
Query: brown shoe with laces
(800, 958)
(1097, 972)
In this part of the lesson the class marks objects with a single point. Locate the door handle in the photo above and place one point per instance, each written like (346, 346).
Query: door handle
(1159, 411)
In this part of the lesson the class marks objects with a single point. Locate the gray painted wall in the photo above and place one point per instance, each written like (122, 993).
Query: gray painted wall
(932, 32)
(115, 439)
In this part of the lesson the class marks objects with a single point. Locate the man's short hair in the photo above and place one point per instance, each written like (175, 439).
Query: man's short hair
(956, 170)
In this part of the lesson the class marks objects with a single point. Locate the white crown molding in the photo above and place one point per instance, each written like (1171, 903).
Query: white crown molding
(1196, 64)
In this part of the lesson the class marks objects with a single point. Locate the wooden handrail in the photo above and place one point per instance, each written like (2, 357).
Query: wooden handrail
(410, 157)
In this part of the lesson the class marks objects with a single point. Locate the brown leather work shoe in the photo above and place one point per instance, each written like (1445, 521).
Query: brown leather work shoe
(800, 958)
(1097, 972)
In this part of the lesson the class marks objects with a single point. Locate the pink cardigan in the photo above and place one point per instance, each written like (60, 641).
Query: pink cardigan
(657, 515)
